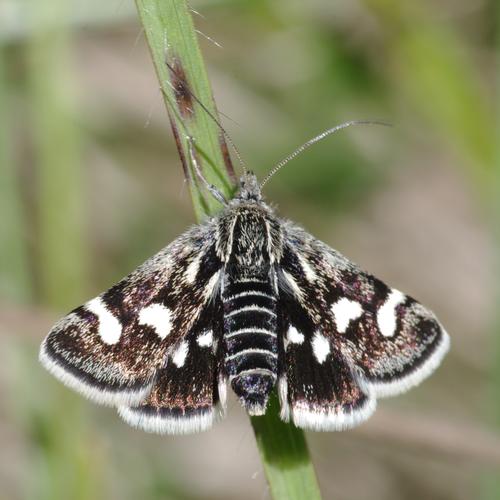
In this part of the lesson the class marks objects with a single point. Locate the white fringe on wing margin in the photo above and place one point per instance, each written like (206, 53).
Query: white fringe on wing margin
(323, 419)
(159, 424)
(96, 394)
(421, 372)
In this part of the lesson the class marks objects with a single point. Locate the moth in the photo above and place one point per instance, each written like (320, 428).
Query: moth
(253, 301)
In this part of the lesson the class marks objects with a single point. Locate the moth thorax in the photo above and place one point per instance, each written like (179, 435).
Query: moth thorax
(250, 338)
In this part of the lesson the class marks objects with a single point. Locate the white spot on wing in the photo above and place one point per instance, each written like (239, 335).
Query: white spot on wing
(211, 284)
(158, 317)
(386, 315)
(294, 336)
(321, 347)
(192, 269)
(345, 311)
(205, 339)
(306, 267)
(293, 284)
(180, 354)
(110, 329)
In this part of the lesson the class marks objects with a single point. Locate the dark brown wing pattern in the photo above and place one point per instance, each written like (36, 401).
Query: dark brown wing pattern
(114, 348)
(347, 335)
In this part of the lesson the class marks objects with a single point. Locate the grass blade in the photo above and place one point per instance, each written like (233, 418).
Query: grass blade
(171, 36)
(285, 455)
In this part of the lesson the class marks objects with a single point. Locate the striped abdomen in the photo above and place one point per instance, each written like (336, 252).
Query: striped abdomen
(250, 340)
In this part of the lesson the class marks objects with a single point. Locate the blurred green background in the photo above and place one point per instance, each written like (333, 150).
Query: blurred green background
(91, 185)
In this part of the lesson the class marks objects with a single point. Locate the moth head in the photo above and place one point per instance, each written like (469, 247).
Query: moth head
(249, 187)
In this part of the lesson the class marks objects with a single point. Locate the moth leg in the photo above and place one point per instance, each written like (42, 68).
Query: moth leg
(197, 168)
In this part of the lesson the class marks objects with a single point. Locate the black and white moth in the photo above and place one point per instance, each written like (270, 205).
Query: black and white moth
(253, 300)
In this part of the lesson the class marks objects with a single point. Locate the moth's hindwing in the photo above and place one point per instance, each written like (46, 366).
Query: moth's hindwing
(349, 338)
(188, 394)
(318, 387)
(112, 348)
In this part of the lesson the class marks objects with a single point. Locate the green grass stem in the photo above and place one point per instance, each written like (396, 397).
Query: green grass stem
(171, 36)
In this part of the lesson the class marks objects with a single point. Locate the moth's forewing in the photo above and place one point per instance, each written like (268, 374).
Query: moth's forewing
(349, 336)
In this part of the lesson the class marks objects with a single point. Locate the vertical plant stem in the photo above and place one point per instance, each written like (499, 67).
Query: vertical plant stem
(285, 456)
(172, 40)
(171, 37)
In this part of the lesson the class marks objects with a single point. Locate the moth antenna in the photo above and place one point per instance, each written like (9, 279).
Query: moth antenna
(211, 115)
(192, 156)
(316, 139)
